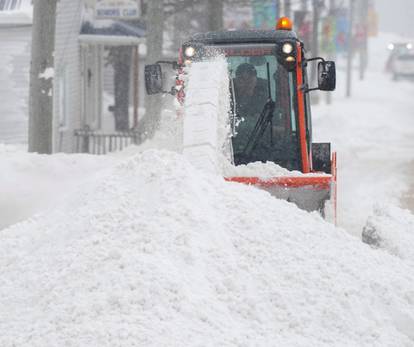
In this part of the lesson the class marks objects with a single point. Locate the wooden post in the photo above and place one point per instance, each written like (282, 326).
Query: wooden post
(155, 27)
(41, 77)
(136, 88)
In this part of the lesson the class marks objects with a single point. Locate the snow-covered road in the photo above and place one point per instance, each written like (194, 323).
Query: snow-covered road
(373, 133)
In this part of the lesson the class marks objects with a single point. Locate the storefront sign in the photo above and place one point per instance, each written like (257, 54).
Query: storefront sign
(264, 14)
(121, 9)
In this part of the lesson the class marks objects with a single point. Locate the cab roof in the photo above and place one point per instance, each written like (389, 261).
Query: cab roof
(243, 36)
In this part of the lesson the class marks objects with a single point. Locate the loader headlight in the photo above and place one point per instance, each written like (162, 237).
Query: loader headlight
(409, 46)
(189, 52)
(287, 48)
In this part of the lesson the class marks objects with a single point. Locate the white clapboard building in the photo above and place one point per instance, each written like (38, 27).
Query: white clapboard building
(85, 109)
(15, 37)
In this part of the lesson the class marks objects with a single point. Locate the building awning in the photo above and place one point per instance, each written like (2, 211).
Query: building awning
(113, 33)
(113, 28)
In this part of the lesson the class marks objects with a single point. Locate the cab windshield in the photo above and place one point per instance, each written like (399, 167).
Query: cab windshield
(263, 109)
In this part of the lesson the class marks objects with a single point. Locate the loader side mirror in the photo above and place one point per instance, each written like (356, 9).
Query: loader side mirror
(153, 79)
(321, 157)
(326, 75)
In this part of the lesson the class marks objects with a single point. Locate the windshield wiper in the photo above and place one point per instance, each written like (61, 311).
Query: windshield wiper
(262, 123)
(233, 105)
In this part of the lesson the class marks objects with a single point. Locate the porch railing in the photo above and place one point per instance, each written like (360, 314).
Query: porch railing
(8, 5)
(95, 142)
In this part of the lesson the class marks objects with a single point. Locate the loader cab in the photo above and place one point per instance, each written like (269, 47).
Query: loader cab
(264, 93)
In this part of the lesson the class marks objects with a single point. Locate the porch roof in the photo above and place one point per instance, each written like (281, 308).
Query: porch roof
(113, 28)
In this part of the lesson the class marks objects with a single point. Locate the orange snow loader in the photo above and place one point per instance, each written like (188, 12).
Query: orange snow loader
(271, 109)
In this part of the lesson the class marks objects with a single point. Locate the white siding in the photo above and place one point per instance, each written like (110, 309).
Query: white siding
(14, 83)
(67, 74)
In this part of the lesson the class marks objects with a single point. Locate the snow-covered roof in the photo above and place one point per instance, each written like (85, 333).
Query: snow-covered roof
(112, 32)
(16, 12)
(113, 28)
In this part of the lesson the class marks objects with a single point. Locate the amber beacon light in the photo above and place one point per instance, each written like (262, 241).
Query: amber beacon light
(284, 23)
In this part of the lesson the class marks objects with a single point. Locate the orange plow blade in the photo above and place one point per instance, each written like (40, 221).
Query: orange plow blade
(311, 193)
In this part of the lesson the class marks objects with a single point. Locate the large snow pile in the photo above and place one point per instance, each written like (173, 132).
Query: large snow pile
(392, 229)
(157, 253)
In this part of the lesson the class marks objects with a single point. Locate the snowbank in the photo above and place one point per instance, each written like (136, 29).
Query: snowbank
(156, 253)
(392, 229)
(31, 183)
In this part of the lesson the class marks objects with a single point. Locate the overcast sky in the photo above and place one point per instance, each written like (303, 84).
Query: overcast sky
(396, 16)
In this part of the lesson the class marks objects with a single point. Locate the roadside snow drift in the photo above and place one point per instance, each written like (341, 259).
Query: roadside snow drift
(157, 253)
(392, 229)
(31, 183)
(373, 134)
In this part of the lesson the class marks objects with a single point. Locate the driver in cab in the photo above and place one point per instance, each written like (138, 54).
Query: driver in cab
(251, 95)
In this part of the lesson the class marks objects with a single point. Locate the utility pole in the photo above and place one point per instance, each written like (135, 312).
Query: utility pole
(350, 48)
(278, 9)
(41, 77)
(332, 55)
(315, 33)
(215, 15)
(332, 7)
(155, 29)
(288, 8)
(363, 44)
(317, 7)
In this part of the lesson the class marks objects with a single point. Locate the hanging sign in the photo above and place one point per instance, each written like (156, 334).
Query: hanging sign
(117, 9)
(264, 14)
